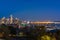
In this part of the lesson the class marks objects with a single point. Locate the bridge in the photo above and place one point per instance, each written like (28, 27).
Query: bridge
(45, 22)
(48, 24)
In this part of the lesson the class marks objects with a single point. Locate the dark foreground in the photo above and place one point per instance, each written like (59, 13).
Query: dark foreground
(28, 33)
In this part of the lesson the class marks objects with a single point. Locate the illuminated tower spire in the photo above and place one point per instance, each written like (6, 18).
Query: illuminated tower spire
(11, 19)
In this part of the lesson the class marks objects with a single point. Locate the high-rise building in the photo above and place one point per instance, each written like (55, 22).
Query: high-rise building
(16, 21)
(3, 20)
(9, 20)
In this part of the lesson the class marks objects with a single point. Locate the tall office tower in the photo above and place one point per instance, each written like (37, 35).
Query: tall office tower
(11, 19)
(7, 21)
(3, 20)
(16, 21)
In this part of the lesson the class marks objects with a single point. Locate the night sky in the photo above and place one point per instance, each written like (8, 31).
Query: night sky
(33, 10)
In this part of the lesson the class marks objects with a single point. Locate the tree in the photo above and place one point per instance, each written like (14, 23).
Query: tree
(40, 30)
(4, 29)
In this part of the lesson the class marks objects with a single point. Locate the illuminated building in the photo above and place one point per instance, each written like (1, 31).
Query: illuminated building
(16, 21)
(3, 20)
(9, 20)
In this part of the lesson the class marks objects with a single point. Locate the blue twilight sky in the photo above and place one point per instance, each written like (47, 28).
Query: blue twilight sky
(34, 10)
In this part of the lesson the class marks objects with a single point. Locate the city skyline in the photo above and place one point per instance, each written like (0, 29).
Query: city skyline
(32, 10)
(9, 20)
(11, 17)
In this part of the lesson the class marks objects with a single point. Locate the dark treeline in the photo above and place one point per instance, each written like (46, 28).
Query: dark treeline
(32, 33)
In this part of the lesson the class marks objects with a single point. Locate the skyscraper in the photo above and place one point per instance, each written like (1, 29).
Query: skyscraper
(11, 19)
(3, 20)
